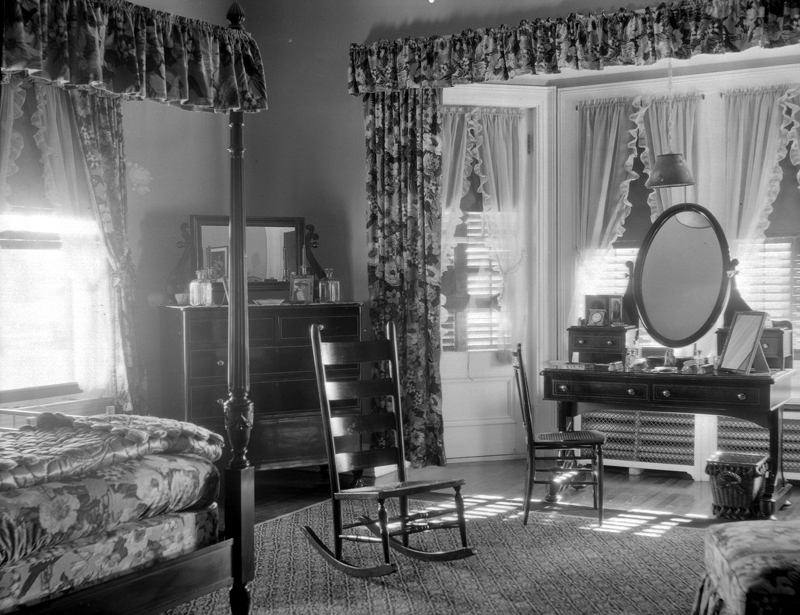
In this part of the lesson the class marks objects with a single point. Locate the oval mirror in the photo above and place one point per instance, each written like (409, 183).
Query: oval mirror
(680, 281)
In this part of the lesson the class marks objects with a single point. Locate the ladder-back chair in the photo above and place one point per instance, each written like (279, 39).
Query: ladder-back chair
(339, 429)
(562, 469)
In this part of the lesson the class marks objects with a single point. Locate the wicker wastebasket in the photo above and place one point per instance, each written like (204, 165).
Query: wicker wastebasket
(737, 483)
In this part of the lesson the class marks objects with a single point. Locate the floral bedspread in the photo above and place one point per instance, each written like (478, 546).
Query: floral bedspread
(41, 516)
(61, 446)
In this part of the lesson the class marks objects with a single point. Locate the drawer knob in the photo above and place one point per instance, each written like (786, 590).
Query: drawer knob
(581, 342)
(631, 391)
(610, 343)
(220, 362)
(666, 393)
(563, 388)
(765, 345)
(741, 397)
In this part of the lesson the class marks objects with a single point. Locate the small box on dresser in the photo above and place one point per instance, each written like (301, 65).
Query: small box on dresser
(604, 344)
(287, 430)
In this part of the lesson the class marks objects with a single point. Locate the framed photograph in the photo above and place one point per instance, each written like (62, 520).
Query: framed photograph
(615, 310)
(301, 288)
(595, 302)
(218, 263)
(742, 351)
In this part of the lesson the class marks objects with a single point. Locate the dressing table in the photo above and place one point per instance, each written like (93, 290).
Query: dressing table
(678, 303)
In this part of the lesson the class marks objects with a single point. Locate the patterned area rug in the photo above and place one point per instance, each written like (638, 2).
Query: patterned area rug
(637, 564)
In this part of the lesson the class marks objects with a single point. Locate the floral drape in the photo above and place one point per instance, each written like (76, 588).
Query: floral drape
(99, 122)
(404, 156)
(584, 42)
(121, 48)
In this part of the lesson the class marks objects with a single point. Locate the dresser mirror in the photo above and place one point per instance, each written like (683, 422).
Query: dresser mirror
(274, 249)
(681, 278)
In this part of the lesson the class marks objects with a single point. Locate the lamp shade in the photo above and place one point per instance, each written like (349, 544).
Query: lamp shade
(671, 171)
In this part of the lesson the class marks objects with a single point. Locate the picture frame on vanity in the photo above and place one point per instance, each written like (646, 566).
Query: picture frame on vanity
(301, 288)
(615, 310)
(218, 262)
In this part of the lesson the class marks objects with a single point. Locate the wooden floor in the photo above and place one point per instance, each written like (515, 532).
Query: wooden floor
(279, 492)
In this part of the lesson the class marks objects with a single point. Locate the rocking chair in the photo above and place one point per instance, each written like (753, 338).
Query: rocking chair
(338, 429)
(562, 469)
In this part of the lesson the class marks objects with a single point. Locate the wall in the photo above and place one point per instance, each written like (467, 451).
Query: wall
(305, 155)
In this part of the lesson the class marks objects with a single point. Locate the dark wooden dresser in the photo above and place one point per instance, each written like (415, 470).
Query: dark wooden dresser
(287, 430)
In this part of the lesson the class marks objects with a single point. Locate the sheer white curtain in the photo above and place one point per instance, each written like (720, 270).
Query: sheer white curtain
(607, 145)
(458, 154)
(56, 308)
(12, 97)
(757, 128)
(655, 132)
(501, 137)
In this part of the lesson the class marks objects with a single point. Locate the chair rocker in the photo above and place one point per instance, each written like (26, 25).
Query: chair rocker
(563, 469)
(339, 431)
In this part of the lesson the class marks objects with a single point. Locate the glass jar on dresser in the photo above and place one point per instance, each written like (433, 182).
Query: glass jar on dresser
(287, 428)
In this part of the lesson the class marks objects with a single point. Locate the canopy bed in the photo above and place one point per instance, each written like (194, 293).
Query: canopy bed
(113, 48)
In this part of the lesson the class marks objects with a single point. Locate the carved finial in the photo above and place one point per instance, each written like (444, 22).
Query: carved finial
(235, 16)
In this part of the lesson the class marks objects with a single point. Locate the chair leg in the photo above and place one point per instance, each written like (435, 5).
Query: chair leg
(600, 483)
(337, 528)
(403, 517)
(462, 523)
(383, 520)
(530, 474)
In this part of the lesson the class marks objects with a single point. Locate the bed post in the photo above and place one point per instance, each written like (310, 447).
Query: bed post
(238, 476)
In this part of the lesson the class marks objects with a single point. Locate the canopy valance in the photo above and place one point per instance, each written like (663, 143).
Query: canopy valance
(132, 51)
(585, 42)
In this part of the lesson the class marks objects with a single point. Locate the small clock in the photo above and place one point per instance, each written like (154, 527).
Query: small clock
(597, 318)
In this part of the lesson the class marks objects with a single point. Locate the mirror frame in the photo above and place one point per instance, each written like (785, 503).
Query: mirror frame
(199, 221)
(724, 286)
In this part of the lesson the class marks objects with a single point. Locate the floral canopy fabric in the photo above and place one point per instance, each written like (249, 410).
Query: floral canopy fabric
(584, 42)
(127, 50)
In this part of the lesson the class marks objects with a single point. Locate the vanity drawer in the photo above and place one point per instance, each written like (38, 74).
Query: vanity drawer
(213, 362)
(687, 394)
(599, 390)
(298, 328)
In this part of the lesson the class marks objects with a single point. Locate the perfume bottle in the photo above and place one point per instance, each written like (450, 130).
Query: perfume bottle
(329, 290)
(208, 288)
(197, 288)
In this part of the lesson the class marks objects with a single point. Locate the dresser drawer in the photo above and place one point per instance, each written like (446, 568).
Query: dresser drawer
(213, 362)
(298, 328)
(686, 394)
(215, 329)
(270, 397)
(599, 389)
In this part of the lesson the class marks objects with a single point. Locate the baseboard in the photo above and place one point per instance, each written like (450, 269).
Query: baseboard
(485, 458)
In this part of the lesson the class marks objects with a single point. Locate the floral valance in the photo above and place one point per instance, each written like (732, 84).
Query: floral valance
(132, 51)
(585, 42)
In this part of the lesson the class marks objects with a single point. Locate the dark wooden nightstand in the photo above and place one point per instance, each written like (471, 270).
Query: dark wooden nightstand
(601, 344)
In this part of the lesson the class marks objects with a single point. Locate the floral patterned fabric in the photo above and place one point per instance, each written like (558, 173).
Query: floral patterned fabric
(404, 158)
(61, 447)
(38, 517)
(586, 42)
(752, 567)
(81, 563)
(99, 121)
(118, 47)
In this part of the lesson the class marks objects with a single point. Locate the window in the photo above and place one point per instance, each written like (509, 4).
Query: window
(471, 287)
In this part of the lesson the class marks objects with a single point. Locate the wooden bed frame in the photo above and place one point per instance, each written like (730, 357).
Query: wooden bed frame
(229, 563)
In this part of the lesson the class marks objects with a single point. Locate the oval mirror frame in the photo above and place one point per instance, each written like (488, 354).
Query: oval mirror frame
(685, 263)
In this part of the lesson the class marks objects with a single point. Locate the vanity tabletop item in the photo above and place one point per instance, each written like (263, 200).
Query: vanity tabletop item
(758, 398)
(287, 428)
(601, 344)
(776, 342)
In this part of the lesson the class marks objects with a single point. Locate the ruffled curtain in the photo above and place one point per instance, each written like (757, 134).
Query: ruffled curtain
(504, 180)
(404, 157)
(757, 129)
(458, 155)
(583, 42)
(85, 352)
(655, 132)
(607, 145)
(11, 100)
(99, 120)
(793, 104)
(120, 48)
